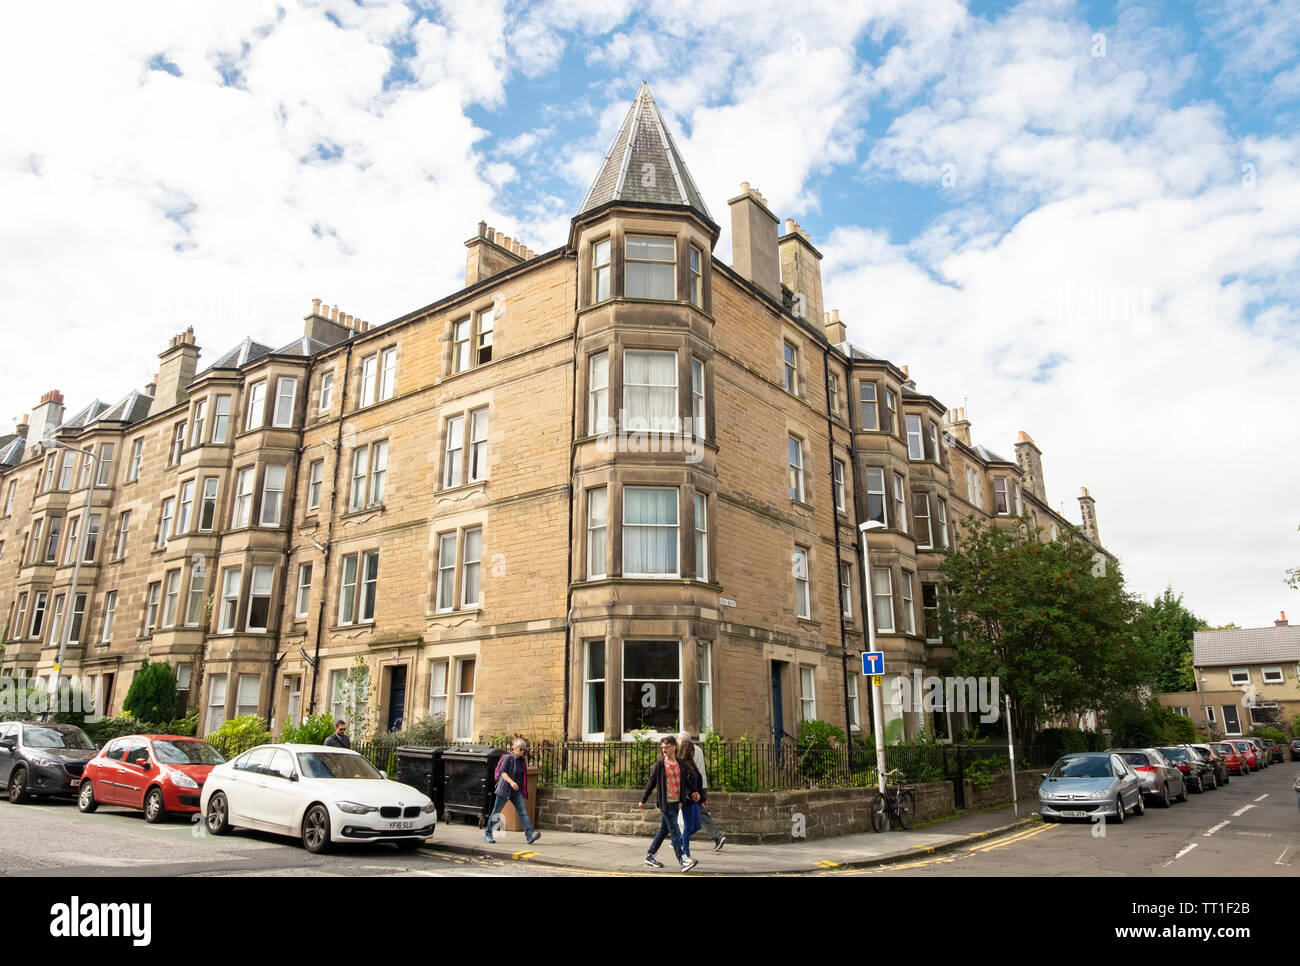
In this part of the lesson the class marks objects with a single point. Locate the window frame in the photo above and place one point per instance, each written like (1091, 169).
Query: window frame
(302, 597)
(701, 530)
(229, 595)
(794, 456)
(802, 583)
(280, 402)
(1232, 676)
(790, 367)
(837, 480)
(598, 267)
(876, 597)
(137, 457)
(1264, 674)
(601, 528)
(256, 400)
(254, 571)
(675, 526)
(325, 394)
(808, 692)
(220, 420)
(652, 276)
(268, 471)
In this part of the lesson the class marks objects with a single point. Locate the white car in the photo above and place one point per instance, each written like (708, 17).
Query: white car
(321, 794)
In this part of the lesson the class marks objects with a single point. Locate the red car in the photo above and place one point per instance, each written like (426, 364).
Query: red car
(158, 773)
(1247, 750)
(1231, 757)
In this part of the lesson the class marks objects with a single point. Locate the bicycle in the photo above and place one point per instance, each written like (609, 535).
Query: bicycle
(898, 803)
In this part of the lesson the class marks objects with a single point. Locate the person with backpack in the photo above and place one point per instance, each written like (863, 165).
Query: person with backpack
(666, 781)
(512, 786)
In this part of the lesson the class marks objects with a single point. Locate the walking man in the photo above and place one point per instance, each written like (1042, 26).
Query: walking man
(340, 737)
(670, 791)
(512, 786)
(708, 825)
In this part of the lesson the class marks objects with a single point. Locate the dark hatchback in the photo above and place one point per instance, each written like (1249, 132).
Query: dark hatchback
(42, 759)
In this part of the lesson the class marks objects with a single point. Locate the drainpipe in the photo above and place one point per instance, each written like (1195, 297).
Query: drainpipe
(568, 596)
(329, 527)
(860, 517)
(835, 522)
(289, 510)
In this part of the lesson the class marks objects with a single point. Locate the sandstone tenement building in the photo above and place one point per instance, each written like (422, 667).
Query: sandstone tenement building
(610, 486)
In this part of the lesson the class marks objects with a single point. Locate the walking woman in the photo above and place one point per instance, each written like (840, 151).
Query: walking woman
(512, 786)
(694, 793)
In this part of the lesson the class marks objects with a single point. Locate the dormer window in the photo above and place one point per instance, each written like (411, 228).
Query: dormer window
(651, 267)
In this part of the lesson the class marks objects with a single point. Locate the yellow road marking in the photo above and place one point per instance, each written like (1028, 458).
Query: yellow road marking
(523, 856)
(827, 864)
(1012, 840)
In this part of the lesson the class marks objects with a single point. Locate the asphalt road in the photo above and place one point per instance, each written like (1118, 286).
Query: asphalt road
(46, 838)
(1249, 827)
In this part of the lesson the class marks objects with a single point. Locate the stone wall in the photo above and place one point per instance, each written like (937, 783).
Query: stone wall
(999, 793)
(759, 818)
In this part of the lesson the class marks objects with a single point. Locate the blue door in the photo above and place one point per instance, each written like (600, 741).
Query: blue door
(778, 710)
(396, 697)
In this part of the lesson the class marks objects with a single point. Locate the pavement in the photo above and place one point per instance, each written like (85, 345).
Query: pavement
(620, 854)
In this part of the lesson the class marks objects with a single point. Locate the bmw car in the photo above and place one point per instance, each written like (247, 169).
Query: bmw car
(321, 795)
(1089, 784)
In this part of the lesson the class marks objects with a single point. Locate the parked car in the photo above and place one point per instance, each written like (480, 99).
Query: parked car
(1248, 752)
(162, 774)
(42, 759)
(1274, 751)
(1214, 760)
(1161, 781)
(1260, 752)
(1295, 749)
(1232, 757)
(1197, 774)
(1086, 784)
(320, 794)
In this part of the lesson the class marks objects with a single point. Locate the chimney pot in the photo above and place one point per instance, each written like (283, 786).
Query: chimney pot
(1282, 622)
(482, 228)
(835, 315)
(315, 306)
(744, 187)
(907, 372)
(790, 226)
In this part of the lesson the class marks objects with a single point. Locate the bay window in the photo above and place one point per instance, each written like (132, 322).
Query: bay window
(650, 531)
(650, 390)
(652, 680)
(651, 268)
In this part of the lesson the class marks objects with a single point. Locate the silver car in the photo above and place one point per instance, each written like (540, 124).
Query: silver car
(1089, 784)
(1162, 782)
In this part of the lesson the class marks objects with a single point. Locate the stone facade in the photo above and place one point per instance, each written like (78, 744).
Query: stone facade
(613, 485)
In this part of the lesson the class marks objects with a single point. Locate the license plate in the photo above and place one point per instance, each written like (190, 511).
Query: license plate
(1075, 814)
(399, 826)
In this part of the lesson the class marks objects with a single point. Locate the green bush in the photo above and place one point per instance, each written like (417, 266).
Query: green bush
(237, 735)
(313, 731)
(1062, 741)
(152, 695)
(1097, 740)
(1265, 732)
(982, 771)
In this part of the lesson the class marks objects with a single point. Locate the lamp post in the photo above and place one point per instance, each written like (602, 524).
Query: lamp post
(1198, 681)
(877, 702)
(65, 632)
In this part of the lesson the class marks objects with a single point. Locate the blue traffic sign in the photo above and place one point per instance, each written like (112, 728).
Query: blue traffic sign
(873, 662)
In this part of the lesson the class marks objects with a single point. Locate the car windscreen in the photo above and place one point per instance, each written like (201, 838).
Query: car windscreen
(1175, 754)
(186, 753)
(1081, 768)
(1136, 758)
(1225, 749)
(38, 736)
(324, 764)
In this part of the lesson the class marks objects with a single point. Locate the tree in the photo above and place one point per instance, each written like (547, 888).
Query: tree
(353, 693)
(1051, 621)
(1170, 626)
(152, 696)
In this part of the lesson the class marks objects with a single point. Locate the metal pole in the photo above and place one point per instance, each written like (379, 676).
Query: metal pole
(877, 703)
(65, 632)
(1011, 746)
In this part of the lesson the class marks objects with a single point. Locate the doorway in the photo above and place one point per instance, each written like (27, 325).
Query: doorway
(396, 696)
(778, 706)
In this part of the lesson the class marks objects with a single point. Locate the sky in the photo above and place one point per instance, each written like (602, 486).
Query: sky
(1077, 218)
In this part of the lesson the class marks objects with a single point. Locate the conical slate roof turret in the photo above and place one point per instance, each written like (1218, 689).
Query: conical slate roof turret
(643, 164)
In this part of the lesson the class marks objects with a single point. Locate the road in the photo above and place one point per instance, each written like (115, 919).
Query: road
(1249, 827)
(53, 839)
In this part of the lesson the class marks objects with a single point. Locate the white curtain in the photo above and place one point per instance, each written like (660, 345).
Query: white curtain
(649, 530)
(650, 390)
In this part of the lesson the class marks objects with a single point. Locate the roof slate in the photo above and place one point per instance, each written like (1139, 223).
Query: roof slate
(1246, 645)
(643, 164)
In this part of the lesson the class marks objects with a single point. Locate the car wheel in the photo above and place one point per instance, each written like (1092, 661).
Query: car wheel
(1165, 800)
(316, 829)
(1118, 817)
(86, 798)
(1139, 807)
(218, 817)
(154, 809)
(408, 845)
(1183, 797)
(18, 793)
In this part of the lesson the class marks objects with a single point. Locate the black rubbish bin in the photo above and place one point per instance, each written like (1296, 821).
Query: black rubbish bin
(468, 780)
(421, 768)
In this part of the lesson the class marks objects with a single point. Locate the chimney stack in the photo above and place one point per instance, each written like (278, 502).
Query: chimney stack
(180, 360)
(801, 273)
(957, 424)
(754, 253)
(1088, 510)
(833, 327)
(22, 427)
(1030, 459)
(490, 253)
(319, 326)
(48, 414)
(908, 381)
(1282, 622)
